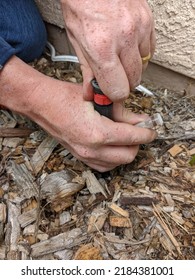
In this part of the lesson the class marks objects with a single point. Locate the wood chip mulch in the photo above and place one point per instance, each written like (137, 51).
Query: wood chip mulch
(54, 207)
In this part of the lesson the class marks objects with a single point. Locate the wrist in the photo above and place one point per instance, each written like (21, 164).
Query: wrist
(18, 83)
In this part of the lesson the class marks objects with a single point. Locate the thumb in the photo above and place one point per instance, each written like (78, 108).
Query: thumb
(122, 114)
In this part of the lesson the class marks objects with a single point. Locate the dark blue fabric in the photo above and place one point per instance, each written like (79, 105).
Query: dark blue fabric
(22, 31)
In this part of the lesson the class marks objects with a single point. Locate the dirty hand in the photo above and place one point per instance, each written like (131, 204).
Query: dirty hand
(110, 39)
(59, 108)
(97, 141)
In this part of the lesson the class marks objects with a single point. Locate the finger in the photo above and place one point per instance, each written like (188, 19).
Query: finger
(126, 134)
(122, 114)
(132, 64)
(87, 72)
(112, 156)
(118, 155)
(145, 53)
(109, 74)
(147, 48)
(152, 41)
(112, 78)
(148, 41)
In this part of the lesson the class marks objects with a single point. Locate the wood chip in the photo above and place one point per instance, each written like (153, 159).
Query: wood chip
(118, 210)
(13, 234)
(24, 180)
(177, 218)
(166, 229)
(93, 184)
(65, 217)
(60, 185)
(28, 217)
(2, 252)
(97, 220)
(175, 150)
(64, 255)
(62, 204)
(88, 252)
(1, 192)
(3, 216)
(137, 200)
(189, 225)
(62, 241)
(42, 153)
(29, 205)
(166, 243)
(2, 212)
(169, 199)
(192, 152)
(12, 142)
(116, 221)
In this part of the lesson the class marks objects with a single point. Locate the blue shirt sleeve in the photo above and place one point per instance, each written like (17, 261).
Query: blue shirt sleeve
(6, 51)
(22, 31)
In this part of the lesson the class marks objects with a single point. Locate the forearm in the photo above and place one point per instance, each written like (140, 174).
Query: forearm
(35, 95)
(18, 84)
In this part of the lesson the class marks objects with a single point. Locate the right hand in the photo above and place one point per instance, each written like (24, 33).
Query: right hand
(97, 141)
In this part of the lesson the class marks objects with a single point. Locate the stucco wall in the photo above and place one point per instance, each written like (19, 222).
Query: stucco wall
(51, 11)
(175, 26)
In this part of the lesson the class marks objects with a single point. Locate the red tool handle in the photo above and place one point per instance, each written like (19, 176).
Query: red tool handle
(102, 103)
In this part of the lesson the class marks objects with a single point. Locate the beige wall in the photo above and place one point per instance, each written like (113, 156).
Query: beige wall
(175, 26)
(51, 11)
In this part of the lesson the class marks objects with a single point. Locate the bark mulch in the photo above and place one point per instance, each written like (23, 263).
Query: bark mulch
(54, 207)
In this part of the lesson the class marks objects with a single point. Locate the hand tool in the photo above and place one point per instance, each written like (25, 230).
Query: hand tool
(102, 103)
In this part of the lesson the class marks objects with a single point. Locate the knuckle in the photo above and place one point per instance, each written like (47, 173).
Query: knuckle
(98, 47)
(146, 20)
(128, 159)
(134, 138)
(120, 95)
(131, 158)
(128, 27)
(132, 154)
(98, 139)
(84, 153)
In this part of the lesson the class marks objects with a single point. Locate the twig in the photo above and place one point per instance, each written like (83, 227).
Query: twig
(166, 229)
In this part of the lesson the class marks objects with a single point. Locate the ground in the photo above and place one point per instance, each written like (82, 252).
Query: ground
(54, 207)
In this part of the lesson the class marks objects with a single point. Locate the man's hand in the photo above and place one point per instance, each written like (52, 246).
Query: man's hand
(110, 39)
(59, 108)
